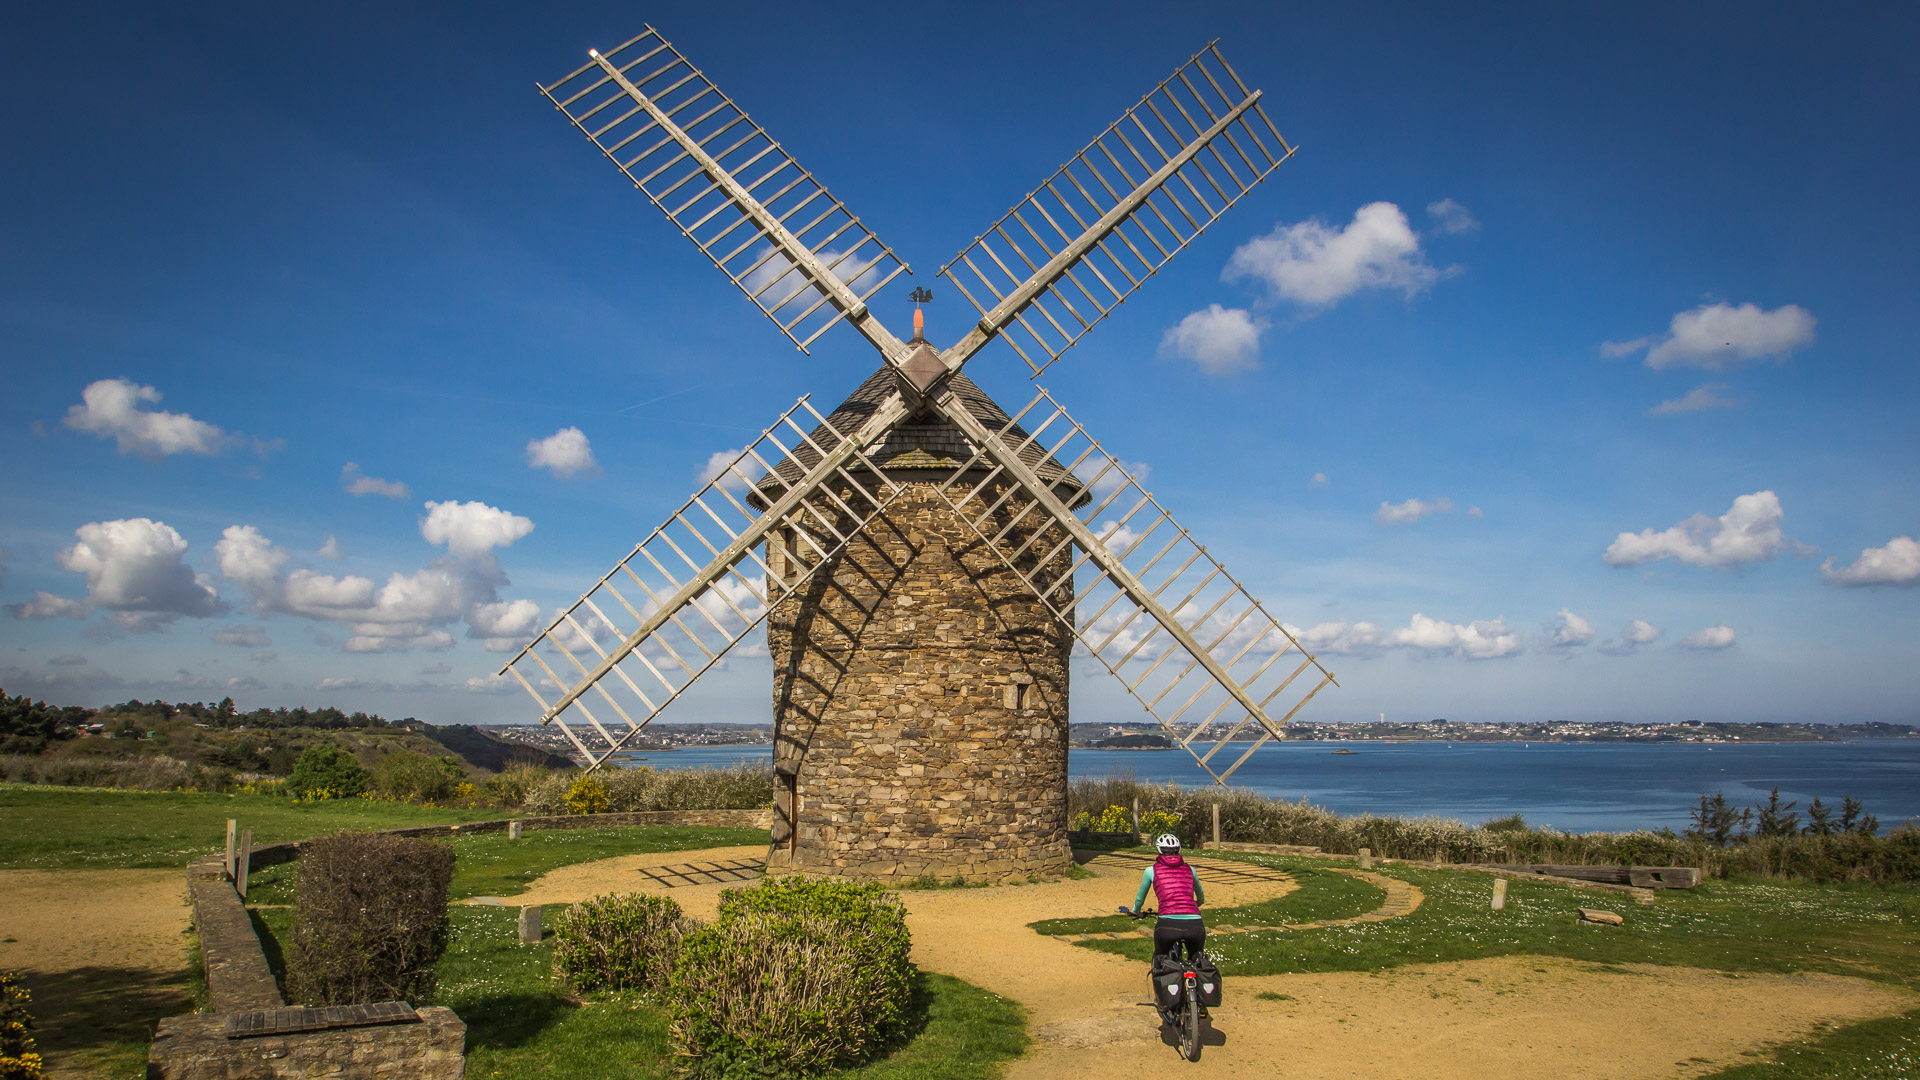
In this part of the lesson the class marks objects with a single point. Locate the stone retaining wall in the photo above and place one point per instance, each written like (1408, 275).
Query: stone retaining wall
(238, 978)
(197, 1048)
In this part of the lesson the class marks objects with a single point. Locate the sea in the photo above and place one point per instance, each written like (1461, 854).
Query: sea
(1578, 787)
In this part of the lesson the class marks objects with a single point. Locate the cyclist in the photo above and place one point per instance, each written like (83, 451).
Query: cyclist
(1177, 889)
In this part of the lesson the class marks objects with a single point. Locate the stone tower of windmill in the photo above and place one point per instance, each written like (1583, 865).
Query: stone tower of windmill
(926, 564)
(920, 687)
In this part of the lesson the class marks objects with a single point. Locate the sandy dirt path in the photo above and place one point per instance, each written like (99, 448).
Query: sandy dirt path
(104, 953)
(1506, 1018)
(59, 920)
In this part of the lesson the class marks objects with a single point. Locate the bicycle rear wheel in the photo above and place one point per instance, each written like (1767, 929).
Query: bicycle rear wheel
(1190, 1025)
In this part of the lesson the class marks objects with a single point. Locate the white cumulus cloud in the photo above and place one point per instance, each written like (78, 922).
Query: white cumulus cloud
(1640, 632)
(1713, 637)
(1339, 637)
(566, 453)
(1717, 336)
(1112, 479)
(1487, 639)
(504, 625)
(45, 605)
(135, 568)
(1410, 511)
(408, 612)
(1748, 532)
(1220, 340)
(1898, 563)
(471, 528)
(1568, 630)
(1317, 265)
(358, 483)
(111, 409)
(724, 472)
(1451, 218)
(1704, 396)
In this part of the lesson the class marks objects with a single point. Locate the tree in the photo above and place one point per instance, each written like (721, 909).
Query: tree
(1855, 819)
(1819, 819)
(29, 727)
(327, 772)
(1715, 821)
(1777, 818)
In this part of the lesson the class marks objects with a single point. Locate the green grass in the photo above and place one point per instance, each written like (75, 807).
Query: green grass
(1886, 1049)
(58, 828)
(489, 864)
(523, 1025)
(1730, 925)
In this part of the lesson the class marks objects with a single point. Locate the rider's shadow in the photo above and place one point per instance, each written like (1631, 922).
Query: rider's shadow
(1209, 1035)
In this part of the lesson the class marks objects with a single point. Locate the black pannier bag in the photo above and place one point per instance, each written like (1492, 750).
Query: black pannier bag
(1169, 982)
(1208, 977)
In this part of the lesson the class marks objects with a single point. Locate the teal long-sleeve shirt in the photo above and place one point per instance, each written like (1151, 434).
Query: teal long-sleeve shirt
(1146, 886)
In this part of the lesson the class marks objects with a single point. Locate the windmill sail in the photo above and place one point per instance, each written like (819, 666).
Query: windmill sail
(697, 585)
(1081, 243)
(743, 200)
(1185, 637)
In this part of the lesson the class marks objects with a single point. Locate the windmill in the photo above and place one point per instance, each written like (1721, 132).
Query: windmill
(926, 562)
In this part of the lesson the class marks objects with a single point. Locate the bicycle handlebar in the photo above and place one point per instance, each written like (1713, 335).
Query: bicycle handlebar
(1141, 914)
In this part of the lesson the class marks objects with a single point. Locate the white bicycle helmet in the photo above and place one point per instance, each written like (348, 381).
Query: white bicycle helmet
(1167, 843)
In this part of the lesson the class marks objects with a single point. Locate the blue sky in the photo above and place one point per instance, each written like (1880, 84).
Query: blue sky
(1537, 278)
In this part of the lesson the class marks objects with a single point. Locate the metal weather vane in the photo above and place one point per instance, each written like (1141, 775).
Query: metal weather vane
(1160, 613)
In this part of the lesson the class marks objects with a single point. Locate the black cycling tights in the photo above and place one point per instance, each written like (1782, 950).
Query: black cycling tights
(1168, 932)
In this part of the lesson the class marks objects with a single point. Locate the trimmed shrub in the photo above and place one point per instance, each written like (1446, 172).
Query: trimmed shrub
(369, 919)
(795, 977)
(17, 1059)
(327, 772)
(619, 942)
(587, 795)
(403, 774)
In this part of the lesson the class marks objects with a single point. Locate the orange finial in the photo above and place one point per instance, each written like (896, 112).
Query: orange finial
(919, 324)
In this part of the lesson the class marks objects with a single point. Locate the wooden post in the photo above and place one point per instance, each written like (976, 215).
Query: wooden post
(243, 864)
(530, 923)
(1136, 820)
(513, 829)
(1216, 824)
(232, 828)
(1499, 894)
(1366, 858)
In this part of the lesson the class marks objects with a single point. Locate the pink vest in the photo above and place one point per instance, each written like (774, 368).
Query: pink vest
(1173, 886)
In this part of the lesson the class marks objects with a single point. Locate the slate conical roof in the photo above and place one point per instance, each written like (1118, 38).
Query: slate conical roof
(925, 440)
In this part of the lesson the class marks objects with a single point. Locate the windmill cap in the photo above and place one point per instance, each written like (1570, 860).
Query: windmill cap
(924, 441)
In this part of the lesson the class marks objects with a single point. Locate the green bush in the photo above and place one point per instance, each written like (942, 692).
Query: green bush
(17, 1059)
(510, 786)
(327, 772)
(796, 976)
(369, 919)
(405, 775)
(619, 942)
(587, 795)
(746, 786)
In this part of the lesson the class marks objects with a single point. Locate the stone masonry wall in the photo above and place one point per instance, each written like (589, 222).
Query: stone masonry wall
(196, 1047)
(920, 707)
